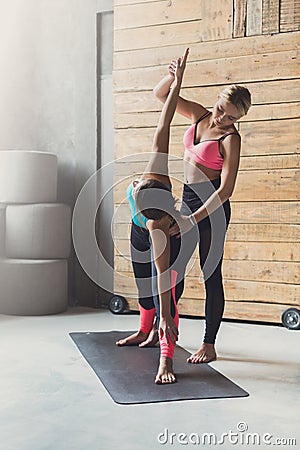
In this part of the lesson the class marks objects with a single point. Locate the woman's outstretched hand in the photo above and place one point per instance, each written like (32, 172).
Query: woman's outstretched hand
(182, 225)
(177, 66)
(168, 329)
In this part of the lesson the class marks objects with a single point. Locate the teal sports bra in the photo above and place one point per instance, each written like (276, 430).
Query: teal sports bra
(137, 217)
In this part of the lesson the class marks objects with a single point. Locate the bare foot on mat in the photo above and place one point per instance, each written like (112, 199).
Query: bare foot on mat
(165, 374)
(205, 354)
(134, 339)
(152, 339)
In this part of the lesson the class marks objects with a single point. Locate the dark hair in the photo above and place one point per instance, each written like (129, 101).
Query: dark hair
(155, 200)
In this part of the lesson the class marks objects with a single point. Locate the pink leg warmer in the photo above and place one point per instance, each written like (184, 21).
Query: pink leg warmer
(146, 319)
(167, 349)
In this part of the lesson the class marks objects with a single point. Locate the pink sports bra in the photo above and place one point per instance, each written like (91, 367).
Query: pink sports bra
(207, 152)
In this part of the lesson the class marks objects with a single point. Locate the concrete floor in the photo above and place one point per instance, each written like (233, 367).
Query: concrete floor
(51, 400)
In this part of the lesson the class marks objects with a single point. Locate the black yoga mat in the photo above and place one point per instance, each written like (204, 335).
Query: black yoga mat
(128, 372)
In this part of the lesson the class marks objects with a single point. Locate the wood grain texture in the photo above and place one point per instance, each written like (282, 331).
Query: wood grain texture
(132, 2)
(262, 252)
(263, 93)
(242, 232)
(157, 13)
(270, 16)
(241, 212)
(268, 66)
(272, 137)
(235, 290)
(253, 311)
(289, 15)
(239, 14)
(205, 51)
(269, 162)
(250, 251)
(256, 113)
(268, 186)
(213, 20)
(254, 17)
(259, 139)
(268, 271)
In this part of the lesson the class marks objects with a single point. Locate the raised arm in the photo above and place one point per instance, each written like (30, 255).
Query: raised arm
(171, 100)
(158, 162)
(186, 108)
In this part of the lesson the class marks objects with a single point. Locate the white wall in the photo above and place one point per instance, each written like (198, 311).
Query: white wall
(48, 92)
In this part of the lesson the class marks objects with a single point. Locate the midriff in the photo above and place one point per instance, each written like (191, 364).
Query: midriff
(196, 173)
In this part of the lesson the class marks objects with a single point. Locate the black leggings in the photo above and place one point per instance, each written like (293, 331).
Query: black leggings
(211, 238)
(210, 235)
(145, 271)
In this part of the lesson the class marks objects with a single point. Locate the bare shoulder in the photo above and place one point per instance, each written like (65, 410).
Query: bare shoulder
(150, 225)
(231, 144)
(190, 109)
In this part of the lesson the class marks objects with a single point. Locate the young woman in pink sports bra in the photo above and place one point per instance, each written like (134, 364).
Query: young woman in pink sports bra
(211, 160)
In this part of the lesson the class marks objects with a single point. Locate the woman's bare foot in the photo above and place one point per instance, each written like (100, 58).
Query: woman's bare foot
(133, 339)
(152, 339)
(165, 374)
(205, 354)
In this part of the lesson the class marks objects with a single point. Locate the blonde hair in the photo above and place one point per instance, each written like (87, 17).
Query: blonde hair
(239, 96)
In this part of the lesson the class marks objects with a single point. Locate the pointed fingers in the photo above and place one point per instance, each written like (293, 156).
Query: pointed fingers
(184, 57)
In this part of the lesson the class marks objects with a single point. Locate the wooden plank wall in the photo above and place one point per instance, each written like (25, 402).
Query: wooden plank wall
(251, 42)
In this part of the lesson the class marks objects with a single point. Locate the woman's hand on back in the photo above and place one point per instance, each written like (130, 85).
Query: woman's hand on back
(183, 225)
